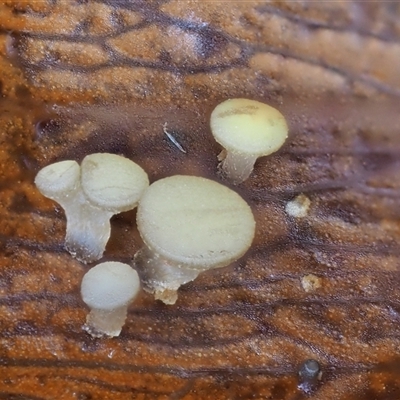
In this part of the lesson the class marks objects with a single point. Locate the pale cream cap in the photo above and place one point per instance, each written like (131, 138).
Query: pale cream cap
(112, 182)
(110, 285)
(195, 222)
(249, 127)
(58, 178)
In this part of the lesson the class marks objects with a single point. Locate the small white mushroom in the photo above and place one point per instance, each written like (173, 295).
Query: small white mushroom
(247, 129)
(108, 289)
(104, 185)
(189, 225)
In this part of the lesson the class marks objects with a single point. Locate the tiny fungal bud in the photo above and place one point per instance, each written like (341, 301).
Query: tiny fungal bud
(108, 289)
(104, 185)
(189, 225)
(247, 130)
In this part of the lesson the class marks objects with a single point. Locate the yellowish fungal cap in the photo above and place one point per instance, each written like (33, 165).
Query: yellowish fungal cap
(248, 126)
(58, 178)
(195, 222)
(112, 182)
(110, 285)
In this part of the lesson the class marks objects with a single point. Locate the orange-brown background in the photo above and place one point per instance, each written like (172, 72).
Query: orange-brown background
(84, 76)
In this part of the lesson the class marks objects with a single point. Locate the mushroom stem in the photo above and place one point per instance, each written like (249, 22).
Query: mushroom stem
(104, 185)
(246, 129)
(238, 166)
(160, 276)
(88, 228)
(105, 322)
(108, 289)
(189, 225)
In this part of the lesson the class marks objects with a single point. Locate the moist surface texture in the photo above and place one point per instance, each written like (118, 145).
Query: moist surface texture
(79, 77)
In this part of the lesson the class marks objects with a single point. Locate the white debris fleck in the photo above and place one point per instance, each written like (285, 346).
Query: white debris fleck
(172, 139)
(299, 206)
(310, 283)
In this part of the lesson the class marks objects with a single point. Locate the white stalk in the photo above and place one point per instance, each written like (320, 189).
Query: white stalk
(88, 228)
(108, 289)
(238, 166)
(105, 322)
(160, 276)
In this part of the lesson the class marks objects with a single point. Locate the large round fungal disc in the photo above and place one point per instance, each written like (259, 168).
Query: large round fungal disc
(195, 222)
(248, 126)
(110, 285)
(58, 178)
(112, 182)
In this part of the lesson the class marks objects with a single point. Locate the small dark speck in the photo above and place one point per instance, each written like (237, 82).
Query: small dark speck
(47, 127)
(210, 42)
(22, 91)
(309, 376)
(84, 396)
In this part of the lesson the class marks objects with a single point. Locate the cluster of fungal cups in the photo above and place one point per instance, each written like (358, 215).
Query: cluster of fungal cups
(188, 224)
(90, 194)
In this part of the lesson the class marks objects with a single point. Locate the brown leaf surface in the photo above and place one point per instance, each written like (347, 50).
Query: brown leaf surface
(85, 76)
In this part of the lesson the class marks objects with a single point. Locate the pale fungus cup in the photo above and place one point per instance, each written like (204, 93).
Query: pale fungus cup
(189, 225)
(108, 289)
(247, 129)
(104, 185)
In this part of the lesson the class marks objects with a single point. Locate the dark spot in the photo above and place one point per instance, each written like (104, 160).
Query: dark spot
(22, 91)
(90, 345)
(47, 127)
(347, 211)
(371, 334)
(52, 57)
(1, 89)
(42, 379)
(210, 42)
(83, 27)
(116, 19)
(18, 11)
(20, 204)
(377, 162)
(165, 58)
(390, 367)
(200, 91)
(279, 391)
(25, 327)
(84, 396)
